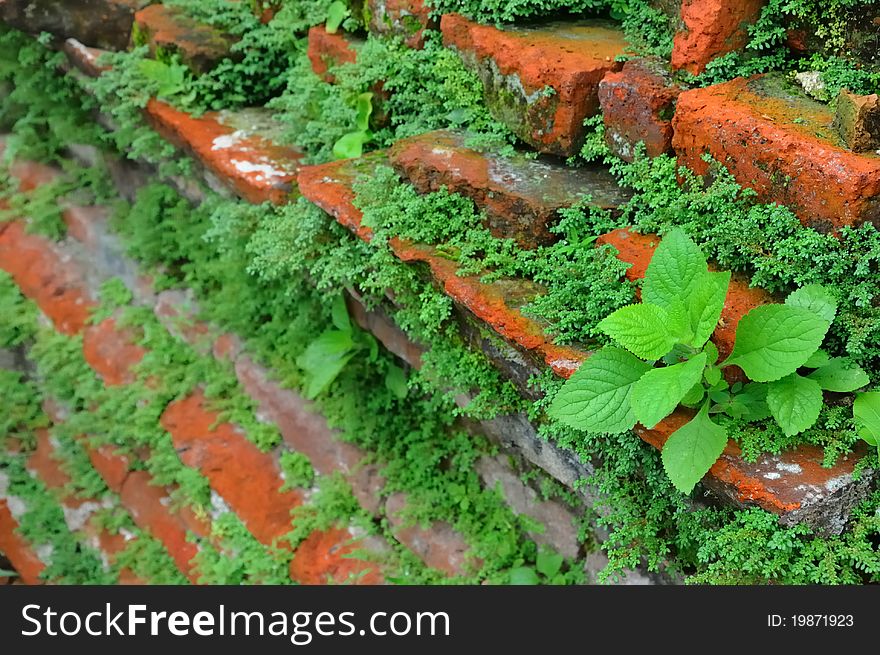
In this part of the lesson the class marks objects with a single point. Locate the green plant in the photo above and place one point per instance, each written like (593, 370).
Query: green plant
(681, 306)
(547, 570)
(351, 144)
(866, 410)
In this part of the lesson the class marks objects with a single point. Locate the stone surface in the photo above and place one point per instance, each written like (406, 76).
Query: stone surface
(857, 121)
(712, 28)
(521, 196)
(518, 64)
(781, 143)
(169, 31)
(637, 105)
(328, 50)
(404, 18)
(856, 34)
(236, 147)
(101, 23)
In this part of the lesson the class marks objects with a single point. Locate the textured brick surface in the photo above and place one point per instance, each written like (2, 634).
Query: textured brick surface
(857, 121)
(637, 105)
(20, 554)
(521, 196)
(112, 352)
(170, 30)
(328, 50)
(712, 28)
(781, 144)
(101, 23)
(518, 64)
(327, 557)
(404, 18)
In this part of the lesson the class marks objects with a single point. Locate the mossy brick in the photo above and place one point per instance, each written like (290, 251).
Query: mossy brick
(712, 28)
(328, 50)
(540, 80)
(854, 33)
(169, 31)
(100, 23)
(521, 196)
(239, 148)
(334, 556)
(407, 19)
(782, 144)
(22, 555)
(857, 121)
(638, 103)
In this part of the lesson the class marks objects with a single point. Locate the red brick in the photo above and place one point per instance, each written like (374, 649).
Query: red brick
(497, 304)
(712, 28)
(19, 553)
(637, 106)
(248, 480)
(112, 352)
(227, 347)
(113, 467)
(439, 545)
(407, 19)
(46, 277)
(325, 557)
(171, 31)
(328, 50)
(517, 64)
(84, 57)
(233, 146)
(521, 196)
(308, 433)
(781, 144)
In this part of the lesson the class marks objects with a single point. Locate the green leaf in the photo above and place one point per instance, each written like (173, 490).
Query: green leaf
(336, 13)
(642, 329)
(795, 403)
(840, 375)
(750, 404)
(351, 145)
(712, 375)
(866, 411)
(773, 341)
(815, 298)
(548, 563)
(170, 78)
(817, 359)
(692, 450)
(869, 438)
(364, 110)
(339, 314)
(705, 304)
(693, 397)
(660, 390)
(711, 351)
(395, 382)
(523, 575)
(324, 360)
(597, 397)
(676, 269)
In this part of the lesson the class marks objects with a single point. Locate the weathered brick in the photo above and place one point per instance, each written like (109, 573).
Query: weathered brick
(48, 278)
(857, 120)
(637, 106)
(112, 352)
(518, 64)
(21, 554)
(84, 57)
(177, 311)
(326, 557)
(407, 19)
(328, 50)
(307, 432)
(248, 480)
(781, 143)
(712, 28)
(521, 196)
(101, 23)
(236, 147)
(169, 30)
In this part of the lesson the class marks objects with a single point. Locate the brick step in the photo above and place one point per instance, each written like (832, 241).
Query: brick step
(781, 143)
(711, 28)
(518, 64)
(99, 23)
(329, 50)
(23, 556)
(521, 196)
(793, 484)
(169, 31)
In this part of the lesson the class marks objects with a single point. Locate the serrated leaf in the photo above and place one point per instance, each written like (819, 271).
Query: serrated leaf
(773, 341)
(750, 404)
(693, 397)
(597, 397)
(660, 390)
(712, 375)
(866, 411)
(711, 351)
(817, 359)
(794, 402)
(642, 329)
(815, 298)
(691, 450)
(705, 304)
(840, 375)
(675, 270)
(336, 13)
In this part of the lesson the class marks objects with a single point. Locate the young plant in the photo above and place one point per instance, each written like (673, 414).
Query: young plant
(352, 144)
(866, 411)
(667, 360)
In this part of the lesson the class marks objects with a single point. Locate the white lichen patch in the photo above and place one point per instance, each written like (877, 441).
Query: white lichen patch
(772, 475)
(261, 171)
(77, 517)
(226, 141)
(794, 469)
(219, 506)
(837, 483)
